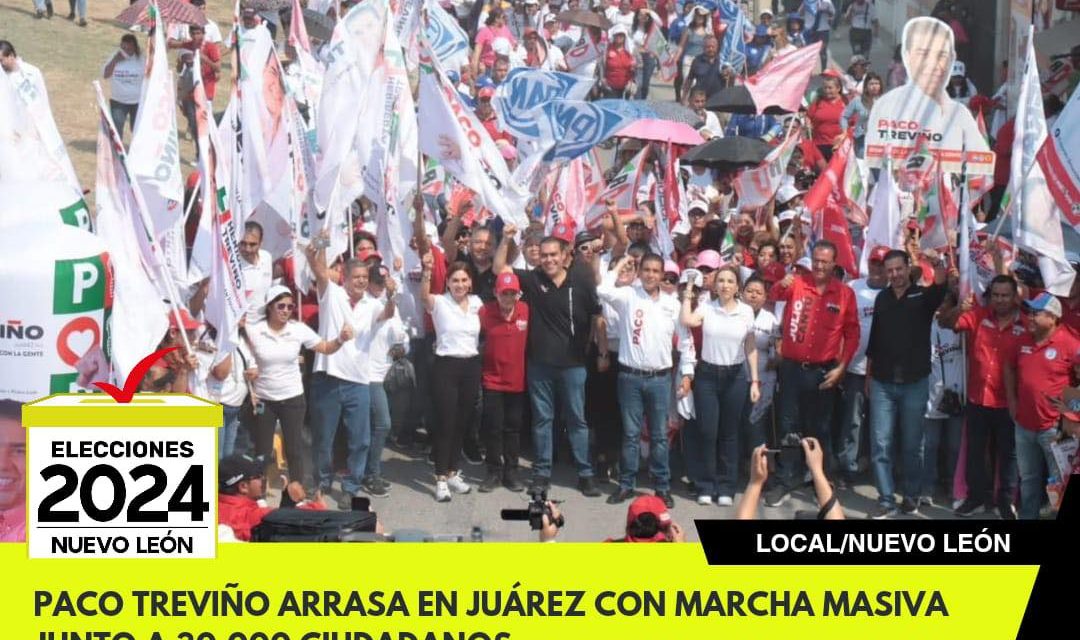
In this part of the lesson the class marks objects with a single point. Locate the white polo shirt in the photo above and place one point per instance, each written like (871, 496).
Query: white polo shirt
(257, 278)
(350, 362)
(457, 330)
(865, 295)
(646, 327)
(723, 333)
(277, 355)
(387, 334)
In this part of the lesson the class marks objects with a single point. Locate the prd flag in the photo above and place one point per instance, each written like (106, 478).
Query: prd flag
(139, 316)
(1038, 218)
(155, 149)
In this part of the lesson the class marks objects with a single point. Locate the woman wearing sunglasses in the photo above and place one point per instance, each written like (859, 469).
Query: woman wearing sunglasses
(275, 342)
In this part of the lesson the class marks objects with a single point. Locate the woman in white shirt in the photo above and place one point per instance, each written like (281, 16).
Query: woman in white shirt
(728, 348)
(125, 71)
(389, 342)
(275, 342)
(456, 371)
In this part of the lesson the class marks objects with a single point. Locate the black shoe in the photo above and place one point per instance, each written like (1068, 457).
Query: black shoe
(493, 480)
(71, 16)
(48, 10)
(1006, 511)
(692, 488)
(39, 15)
(510, 481)
(776, 496)
(82, 22)
(539, 484)
(882, 511)
(375, 487)
(669, 502)
(472, 454)
(620, 496)
(909, 507)
(968, 508)
(587, 487)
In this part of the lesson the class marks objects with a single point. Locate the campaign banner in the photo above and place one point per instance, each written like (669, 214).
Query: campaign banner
(921, 112)
(57, 198)
(44, 336)
(525, 89)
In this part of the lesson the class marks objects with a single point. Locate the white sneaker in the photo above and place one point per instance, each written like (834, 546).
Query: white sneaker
(704, 500)
(457, 485)
(724, 501)
(442, 491)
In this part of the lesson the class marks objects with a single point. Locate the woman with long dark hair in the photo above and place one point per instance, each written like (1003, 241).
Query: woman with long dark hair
(691, 45)
(857, 112)
(644, 23)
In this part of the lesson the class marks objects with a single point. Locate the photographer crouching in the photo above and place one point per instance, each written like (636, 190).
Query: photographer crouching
(763, 458)
(647, 520)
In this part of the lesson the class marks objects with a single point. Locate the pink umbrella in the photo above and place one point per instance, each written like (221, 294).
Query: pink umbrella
(662, 131)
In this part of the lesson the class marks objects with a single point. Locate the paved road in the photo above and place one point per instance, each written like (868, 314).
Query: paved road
(411, 506)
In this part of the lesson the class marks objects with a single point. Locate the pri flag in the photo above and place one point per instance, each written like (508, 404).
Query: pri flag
(1059, 159)
(782, 83)
(758, 185)
(657, 44)
(823, 202)
(1038, 217)
(622, 190)
(575, 187)
(31, 148)
(155, 149)
(526, 89)
(455, 137)
(139, 316)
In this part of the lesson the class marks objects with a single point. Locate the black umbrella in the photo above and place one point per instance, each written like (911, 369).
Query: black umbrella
(728, 154)
(737, 99)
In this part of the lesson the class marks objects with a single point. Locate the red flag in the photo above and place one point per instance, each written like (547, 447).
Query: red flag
(783, 81)
(672, 191)
(824, 203)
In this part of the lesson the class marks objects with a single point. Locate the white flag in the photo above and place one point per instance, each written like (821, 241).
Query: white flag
(885, 218)
(139, 315)
(155, 148)
(1038, 218)
(30, 145)
(758, 185)
(454, 136)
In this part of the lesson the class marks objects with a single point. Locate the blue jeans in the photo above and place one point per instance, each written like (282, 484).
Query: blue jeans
(122, 112)
(804, 409)
(543, 380)
(229, 425)
(1034, 460)
(644, 398)
(334, 400)
(851, 423)
(380, 427)
(648, 65)
(943, 433)
(893, 404)
(720, 394)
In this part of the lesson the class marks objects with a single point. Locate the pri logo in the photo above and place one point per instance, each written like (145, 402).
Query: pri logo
(80, 286)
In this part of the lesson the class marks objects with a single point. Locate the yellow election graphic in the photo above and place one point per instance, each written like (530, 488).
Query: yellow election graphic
(99, 471)
(112, 480)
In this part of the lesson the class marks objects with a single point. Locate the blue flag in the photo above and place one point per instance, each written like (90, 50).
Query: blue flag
(569, 128)
(445, 35)
(526, 89)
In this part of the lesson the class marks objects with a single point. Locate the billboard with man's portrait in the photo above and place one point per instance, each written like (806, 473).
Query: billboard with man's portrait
(921, 112)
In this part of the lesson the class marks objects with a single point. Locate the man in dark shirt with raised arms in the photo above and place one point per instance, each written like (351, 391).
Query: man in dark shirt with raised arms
(562, 302)
(898, 355)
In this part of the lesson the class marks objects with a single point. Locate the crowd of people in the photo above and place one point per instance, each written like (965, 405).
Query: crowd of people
(510, 344)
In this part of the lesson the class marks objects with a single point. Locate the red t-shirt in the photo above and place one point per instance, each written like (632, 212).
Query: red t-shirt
(503, 367)
(492, 126)
(990, 346)
(825, 120)
(241, 514)
(618, 69)
(210, 51)
(1003, 149)
(1042, 372)
(818, 327)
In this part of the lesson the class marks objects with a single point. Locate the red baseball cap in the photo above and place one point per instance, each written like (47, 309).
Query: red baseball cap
(647, 504)
(878, 253)
(185, 318)
(485, 93)
(365, 254)
(507, 282)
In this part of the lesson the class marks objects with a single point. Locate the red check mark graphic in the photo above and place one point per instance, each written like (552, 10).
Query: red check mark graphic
(131, 385)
